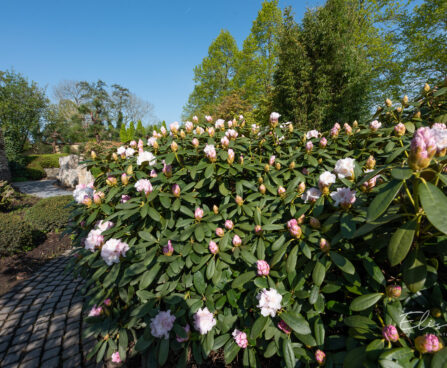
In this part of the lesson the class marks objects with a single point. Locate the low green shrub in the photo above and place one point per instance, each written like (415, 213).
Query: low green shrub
(49, 214)
(272, 243)
(16, 234)
(31, 167)
(7, 194)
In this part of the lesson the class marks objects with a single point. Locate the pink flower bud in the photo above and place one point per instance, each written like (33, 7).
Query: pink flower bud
(214, 249)
(108, 302)
(133, 144)
(95, 311)
(239, 200)
(294, 228)
(284, 327)
(168, 249)
(323, 142)
(348, 129)
(281, 191)
(301, 188)
(198, 214)
(225, 142)
(230, 158)
(320, 357)
(176, 190)
(428, 343)
(111, 181)
(237, 241)
(393, 291)
(124, 198)
(400, 129)
(263, 268)
(229, 225)
(124, 179)
(195, 142)
(220, 232)
(195, 119)
(272, 160)
(389, 333)
(97, 198)
(116, 357)
(314, 222)
(174, 146)
(167, 169)
(423, 148)
(262, 189)
(215, 209)
(309, 146)
(324, 245)
(87, 201)
(258, 229)
(240, 338)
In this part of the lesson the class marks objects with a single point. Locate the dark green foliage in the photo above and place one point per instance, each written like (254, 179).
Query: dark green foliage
(16, 234)
(7, 194)
(323, 74)
(32, 167)
(49, 214)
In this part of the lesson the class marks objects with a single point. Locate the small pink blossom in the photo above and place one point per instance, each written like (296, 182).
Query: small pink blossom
(116, 357)
(229, 225)
(240, 338)
(198, 214)
(124, 198)
(309, 146)
(389, 332)
(214, 249)
(108, 302)
(143, 185)
(323, 142)
(168, 249)
(320, 357)
(220, 232)
(95, 311)
(263, 268)
(237, 240)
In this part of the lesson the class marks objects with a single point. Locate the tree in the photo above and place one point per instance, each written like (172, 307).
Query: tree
(324, 74)
(140, 132)
(213, 78)
(22, 105)
(258, 60)
(123, 134)
(138, 109)
(424, 38)
(131, 131)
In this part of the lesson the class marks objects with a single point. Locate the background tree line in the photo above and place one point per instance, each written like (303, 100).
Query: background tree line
(337, 64)
(81, 111)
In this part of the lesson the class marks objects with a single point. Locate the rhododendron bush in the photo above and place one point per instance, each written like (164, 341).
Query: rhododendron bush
(269, 242)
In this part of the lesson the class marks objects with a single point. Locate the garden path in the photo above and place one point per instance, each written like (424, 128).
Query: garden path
(41, 188)
(41, 321)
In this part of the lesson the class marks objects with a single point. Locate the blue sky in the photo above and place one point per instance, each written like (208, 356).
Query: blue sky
(150, 47)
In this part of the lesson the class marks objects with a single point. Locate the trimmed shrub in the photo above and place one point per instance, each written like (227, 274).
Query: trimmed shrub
(16, 235)
(272, 243)
(49, 214)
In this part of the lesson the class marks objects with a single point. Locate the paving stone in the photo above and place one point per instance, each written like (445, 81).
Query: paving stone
(20, 338)
(33, 354)
(51, 353)
(33, 363)
(51, 363)
(3, 347)
(11, 358)
(72, 362)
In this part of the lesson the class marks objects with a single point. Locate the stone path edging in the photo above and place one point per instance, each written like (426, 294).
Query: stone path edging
(41, 188)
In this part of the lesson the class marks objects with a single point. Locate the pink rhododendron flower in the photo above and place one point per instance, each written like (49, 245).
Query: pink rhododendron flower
(400, 129)
(210, 152)
(428, 343)
(220, 232)
(176, 190)
(195, 142)
(393, 291)
(323, 142)
(274, 116)
(224, 141)
(94, 240)
(108, 302)
(320, 357)
(104, 225)
(220, 124)
(272, 160)
(204, 321)
(167, 169)
(174, 127)
(116, 357)
(312, 134)
(124, 198)
(95, 311)
(375, 125)
(309, 146)
(240, 338)
(294, 228)
(263, 268)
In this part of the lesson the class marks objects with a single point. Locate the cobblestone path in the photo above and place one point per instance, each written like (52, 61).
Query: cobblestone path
(40, 321)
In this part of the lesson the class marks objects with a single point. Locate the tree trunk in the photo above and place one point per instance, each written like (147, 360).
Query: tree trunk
(5, 174)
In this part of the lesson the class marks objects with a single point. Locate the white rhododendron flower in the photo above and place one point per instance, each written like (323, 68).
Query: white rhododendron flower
(326, 179)
(151, 141)
(210, 151)
(174, 127)
(219, 124)
(344, 168)
(440, 136)
(81, 192)
(344, 197)
(146, 157)
(269, 302)
(231, 134)
(312, 134)
(112, 250)
(161, 324)
(375, 125)
(163, 131)
(199, 130)
(311, 195)
(189, 126)
(130, 152)
(121, 150)
(204, 321)
(254, 128)
(104, 225)
(143, 185)
(274, 116)
(94, 240)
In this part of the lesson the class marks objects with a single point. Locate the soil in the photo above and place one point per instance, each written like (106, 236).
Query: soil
(21, 266)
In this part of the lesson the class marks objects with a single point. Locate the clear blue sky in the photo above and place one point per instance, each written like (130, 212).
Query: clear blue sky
(150, 47)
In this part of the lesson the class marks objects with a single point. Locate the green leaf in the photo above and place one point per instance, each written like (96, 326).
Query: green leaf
(258, 327)
(209, 171)
(347, 226)
(230, 351)
(296, 322)
(318, 273)
(401, 173)
(242, 279)
(381, 202)
(319, 331)
(198, 232)
(439, 359)
(401, 242)
(163, 352)
(287, 351)
(434, 203)
(149, 276)
(224, 191)
(199, 282)
(153, 213)
(365, 301)
(342, 263)
(414, 271)
(292, 259)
